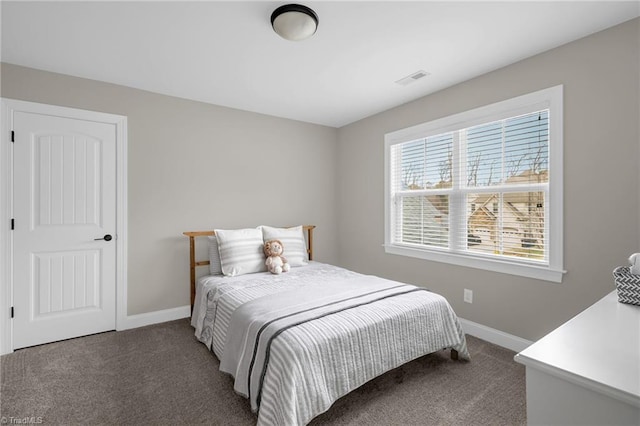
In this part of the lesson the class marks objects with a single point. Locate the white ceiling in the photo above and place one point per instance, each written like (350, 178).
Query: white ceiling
(226, 53)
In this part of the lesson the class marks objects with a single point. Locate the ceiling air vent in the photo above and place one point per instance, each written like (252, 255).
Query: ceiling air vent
(413, 77)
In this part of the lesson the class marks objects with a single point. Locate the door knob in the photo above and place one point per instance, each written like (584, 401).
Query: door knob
(106, 238)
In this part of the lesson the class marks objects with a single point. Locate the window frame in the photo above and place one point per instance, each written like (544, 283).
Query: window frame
(551, 99)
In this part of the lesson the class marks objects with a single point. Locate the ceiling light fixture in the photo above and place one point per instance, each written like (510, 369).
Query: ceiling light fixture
(294, 22)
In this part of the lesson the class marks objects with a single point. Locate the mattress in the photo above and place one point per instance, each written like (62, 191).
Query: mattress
(298, 341)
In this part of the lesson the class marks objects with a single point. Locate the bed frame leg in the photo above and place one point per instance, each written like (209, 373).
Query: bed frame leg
(454, 354)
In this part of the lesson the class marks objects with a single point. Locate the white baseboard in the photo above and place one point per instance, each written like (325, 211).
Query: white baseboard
(497, 337)
(149, 318)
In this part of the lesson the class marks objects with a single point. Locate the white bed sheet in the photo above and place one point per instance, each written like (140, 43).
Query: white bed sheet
(315, 363)
(211, 323)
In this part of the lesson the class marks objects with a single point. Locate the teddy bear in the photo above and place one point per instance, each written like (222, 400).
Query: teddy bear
(276, 263)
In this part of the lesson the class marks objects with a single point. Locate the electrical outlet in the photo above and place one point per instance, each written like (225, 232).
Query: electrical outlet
(468, 295)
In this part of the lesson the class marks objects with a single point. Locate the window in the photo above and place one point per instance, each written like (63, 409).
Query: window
(482, 188)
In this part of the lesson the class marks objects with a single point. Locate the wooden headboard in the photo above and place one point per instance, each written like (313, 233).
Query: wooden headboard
(193, 263)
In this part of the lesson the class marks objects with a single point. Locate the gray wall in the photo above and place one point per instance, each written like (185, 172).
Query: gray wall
(194, 166)
(600, 74)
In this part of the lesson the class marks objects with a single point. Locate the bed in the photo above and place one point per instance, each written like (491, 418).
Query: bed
(298, 341)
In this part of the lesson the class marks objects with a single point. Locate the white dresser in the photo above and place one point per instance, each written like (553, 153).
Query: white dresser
(587, 371)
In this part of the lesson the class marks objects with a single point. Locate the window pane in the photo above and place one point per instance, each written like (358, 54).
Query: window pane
(515, 150)
(526, 140)
(484, 155)
(483, 223)
(425, 220)
(426, 163)
(509, 224)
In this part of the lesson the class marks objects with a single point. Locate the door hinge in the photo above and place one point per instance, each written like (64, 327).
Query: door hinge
(13, 136)
(12, 312)
(13, 224)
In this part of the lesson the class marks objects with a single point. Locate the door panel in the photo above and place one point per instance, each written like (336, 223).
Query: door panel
(64, 201)
(67, 181)
(65, 281)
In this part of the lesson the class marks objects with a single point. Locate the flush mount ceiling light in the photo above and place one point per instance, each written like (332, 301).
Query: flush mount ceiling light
(294, 22)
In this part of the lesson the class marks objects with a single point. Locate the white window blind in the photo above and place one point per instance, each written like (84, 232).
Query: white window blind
(480, 189)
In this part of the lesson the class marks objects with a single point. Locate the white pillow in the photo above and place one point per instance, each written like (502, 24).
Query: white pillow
(215, 268)
(295, 248)
(241, 251)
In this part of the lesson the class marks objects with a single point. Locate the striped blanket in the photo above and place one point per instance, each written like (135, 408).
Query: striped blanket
(297, 342)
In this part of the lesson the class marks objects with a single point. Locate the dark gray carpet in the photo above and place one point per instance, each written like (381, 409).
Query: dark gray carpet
(161, 375)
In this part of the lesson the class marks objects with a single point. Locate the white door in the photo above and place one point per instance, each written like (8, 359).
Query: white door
(64, 210)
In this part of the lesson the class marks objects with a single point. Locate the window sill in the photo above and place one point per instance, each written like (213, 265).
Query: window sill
(544, 273)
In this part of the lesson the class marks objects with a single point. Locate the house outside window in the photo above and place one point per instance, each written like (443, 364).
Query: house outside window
(481, 189)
